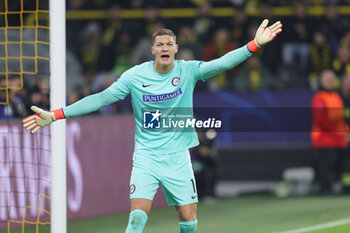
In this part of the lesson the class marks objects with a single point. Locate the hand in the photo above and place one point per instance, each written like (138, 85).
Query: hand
(266, 34)
(41, 119)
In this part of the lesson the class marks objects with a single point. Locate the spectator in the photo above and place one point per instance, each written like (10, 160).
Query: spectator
(74, 72)
(254, 76)
(265, 12)
(329, 132)
(73, 30)
(136, 4)
(141, 27)
(187, 39)
(332, 25)
(296, 49)
(124, 50)
(109, 39)
(90, 47)
(215, 48)
(39, 94)
(150, 20)
(76, 4)
(345, 40)
(238, 27)
(341, 64)
(204, 23)
(15, 107)
(251, 6)
(320, 58)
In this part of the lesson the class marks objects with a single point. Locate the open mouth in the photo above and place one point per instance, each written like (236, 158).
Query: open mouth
(165, 56)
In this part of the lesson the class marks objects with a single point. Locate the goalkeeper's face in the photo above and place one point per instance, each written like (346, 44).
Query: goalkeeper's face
(164, 49)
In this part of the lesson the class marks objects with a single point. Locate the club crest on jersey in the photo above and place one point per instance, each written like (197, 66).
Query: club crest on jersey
(175, 81)
(161, 97)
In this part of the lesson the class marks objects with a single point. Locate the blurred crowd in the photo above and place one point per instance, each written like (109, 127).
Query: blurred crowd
(99, 51)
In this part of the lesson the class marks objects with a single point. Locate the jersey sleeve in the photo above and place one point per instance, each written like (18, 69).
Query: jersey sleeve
(226, 62)
(117, 91)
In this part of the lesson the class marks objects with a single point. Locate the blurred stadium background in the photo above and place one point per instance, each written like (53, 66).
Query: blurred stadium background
(257, 175)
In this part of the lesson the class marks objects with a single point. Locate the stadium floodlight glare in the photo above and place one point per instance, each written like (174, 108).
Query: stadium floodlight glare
(58, 130)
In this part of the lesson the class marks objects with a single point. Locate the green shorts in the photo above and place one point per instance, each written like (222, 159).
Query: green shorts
(174, 171)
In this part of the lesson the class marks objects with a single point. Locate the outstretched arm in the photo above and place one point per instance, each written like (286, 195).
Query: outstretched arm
(84, 106)
(263, 36)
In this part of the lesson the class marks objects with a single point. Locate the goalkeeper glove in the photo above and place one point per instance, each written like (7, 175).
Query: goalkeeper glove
(41, 119)
(264, 35)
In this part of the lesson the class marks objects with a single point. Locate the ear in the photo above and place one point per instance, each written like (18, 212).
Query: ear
(152, 49)
(176, 48)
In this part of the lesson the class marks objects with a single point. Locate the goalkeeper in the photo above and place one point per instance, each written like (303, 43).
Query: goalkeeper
(159, 158)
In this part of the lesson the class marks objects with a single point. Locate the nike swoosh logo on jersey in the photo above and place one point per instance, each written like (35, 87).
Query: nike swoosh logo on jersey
(144, 85)
(193, 197)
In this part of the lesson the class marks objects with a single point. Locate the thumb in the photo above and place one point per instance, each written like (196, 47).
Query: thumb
(36, 109)
(264, 23)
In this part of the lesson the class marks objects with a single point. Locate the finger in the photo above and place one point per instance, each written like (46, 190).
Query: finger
(264, 23)
(29, 123)
(35, 129)
(36, 109)
(278, 23)
(29, 127)
(277, 32)
(28, 118)
(276, 27)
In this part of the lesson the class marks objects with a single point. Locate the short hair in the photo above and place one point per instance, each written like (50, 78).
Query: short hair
(161, 32)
